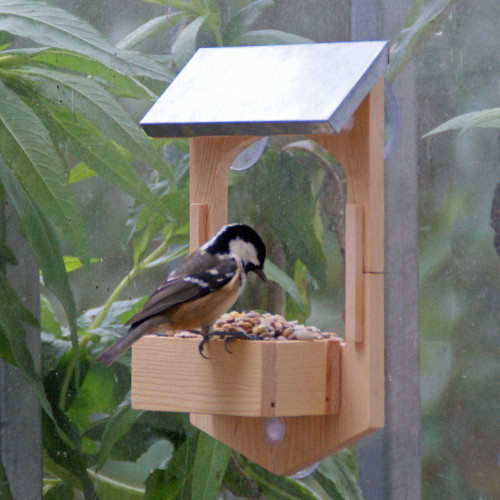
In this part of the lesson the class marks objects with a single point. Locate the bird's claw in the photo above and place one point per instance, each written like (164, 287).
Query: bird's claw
(201, 345)
(227, 341)
(230, 336)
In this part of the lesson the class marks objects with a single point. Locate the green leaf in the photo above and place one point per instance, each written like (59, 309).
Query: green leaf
(7, 255)
(45, 246)
(174, 423)
(63, 491)
(85, 96)
(50, 25)
(48, 319)
(144, 232)
(176, 207)
(278, 487)
(5, 350)
(53, 349)
(141, 243)
(99, 393)
(145, 224)
(108, 161)
(132, 311)
(243, 18)
(165, 259)
(210, 464)
(12, 314)
(81, 172)
(269, 37)
(487, 118)
(15, 307)
(71, 460)
(5, 40)
(237, 481)
(185, 45)
(175, 481)
(30, 154)
(149, 29)
(187, 7)
(72, 263)
(113, 315)
(117, 83)
(293, 223)
(301, 282)
(422, 20)
(118, 425)
(5, 492)
(337, 476)
(274, 273)
(133, 444)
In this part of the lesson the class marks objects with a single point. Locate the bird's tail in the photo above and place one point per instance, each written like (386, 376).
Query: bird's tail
(111, 354)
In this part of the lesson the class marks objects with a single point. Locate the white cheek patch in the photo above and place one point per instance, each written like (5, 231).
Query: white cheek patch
(196, 281)
(244, 250)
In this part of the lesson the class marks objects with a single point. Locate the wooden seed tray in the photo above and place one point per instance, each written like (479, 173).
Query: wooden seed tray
(260, 378)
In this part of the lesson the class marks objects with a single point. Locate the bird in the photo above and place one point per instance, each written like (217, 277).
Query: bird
(200, 290)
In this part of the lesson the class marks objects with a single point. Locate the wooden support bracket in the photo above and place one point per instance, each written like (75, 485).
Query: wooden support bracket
(354, 277)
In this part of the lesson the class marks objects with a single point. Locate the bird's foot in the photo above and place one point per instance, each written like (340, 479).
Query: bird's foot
(230, 336)
(204, 340)
(201, 345)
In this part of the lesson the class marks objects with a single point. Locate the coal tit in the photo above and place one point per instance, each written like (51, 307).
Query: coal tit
(202, 288)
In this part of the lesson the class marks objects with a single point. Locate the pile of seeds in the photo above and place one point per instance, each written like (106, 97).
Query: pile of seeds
(267, 326)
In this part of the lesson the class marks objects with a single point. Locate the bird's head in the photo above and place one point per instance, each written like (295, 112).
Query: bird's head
(242, 241)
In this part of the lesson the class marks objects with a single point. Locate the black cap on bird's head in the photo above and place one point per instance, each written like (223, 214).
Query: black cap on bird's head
(242, 241)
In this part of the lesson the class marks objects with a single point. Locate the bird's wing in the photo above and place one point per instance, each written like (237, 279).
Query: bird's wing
(178, 289)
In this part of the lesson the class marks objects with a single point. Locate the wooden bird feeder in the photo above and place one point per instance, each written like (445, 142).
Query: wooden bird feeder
(329, 393)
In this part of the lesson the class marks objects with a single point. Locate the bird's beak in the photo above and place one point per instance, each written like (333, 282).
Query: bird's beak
(261, 274)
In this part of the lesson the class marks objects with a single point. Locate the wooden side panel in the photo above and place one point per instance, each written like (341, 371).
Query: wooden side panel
(360, 151)
(258, 379)
(198, 225)
(333, 379)
(354, 278)
(374, 327)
